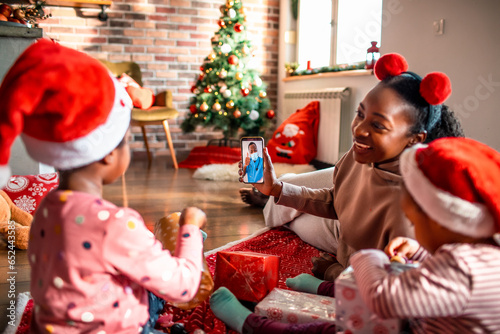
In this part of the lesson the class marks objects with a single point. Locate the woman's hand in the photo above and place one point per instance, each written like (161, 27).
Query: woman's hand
(193, 216)
(271, 185)
(402, 246)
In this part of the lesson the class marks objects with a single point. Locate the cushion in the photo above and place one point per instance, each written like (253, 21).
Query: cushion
(27, 191)
(295, 141)
(142, 98)
(206, 155)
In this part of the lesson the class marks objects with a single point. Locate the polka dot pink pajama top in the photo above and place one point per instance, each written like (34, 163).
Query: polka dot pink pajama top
(92, 262)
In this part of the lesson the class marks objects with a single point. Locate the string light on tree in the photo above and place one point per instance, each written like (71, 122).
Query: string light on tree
(228, 93)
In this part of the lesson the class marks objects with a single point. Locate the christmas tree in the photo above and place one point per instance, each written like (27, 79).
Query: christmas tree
(229, 93)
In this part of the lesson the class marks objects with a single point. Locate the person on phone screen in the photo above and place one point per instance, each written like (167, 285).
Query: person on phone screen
(254, 164)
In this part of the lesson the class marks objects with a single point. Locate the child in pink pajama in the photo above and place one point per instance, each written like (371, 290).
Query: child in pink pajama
(95, 267)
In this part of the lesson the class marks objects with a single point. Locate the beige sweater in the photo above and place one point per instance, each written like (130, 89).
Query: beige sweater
(365, 200)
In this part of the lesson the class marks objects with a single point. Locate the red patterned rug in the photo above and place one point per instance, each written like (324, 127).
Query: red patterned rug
(295, 258)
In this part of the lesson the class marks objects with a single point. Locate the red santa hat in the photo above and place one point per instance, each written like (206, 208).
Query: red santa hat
(67, 107)
(456, 182)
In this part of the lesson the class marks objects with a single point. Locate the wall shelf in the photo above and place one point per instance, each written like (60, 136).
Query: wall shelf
(78, 3)
(351, 73)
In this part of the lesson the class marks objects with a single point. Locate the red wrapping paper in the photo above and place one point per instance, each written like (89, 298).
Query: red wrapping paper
(249, 276)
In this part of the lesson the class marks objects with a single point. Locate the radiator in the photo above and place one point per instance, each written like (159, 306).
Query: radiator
(333, 102)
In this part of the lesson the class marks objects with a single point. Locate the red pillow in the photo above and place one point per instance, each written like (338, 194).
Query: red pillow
(141, 97)
(296, 139)
(27, 191)
(206, 155)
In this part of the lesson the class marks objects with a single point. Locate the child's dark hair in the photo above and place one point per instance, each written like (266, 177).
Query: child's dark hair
(252, 143)
(408, 88)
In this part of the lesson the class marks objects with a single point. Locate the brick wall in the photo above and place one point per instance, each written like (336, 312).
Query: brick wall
(169, 39)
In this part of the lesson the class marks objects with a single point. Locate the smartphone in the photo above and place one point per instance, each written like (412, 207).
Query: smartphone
(252, 157)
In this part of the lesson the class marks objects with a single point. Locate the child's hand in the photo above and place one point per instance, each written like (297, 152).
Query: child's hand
(271, 185)
(193, 216)
(402, 246)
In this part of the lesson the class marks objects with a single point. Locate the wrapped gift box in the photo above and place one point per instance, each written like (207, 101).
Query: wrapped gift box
(249, 276)
(295, 307)
(352, 313)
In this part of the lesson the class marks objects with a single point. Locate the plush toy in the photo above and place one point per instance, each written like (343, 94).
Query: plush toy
(21, 220)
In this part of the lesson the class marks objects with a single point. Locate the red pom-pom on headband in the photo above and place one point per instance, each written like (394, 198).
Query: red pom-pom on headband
(390, 65)
(435, 88)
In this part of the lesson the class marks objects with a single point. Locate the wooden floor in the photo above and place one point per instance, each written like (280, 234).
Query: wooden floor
(154, 193)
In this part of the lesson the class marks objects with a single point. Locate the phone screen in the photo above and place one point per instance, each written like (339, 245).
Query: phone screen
(252, 157)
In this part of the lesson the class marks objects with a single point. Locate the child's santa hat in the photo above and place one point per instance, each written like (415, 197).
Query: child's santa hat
(456, 182)
(66, 106)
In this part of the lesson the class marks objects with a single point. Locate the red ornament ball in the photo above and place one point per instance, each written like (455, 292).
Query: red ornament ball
(221, 23)
(202, 68)
(238, 27)
(435, 88)
(193, 88)
(390, 65)
(233, 60)
(270, 114)
(207, 90)
(237, 113)
(192, 108)
(245, 91)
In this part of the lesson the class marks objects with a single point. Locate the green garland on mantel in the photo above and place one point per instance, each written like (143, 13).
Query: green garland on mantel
(327, 69)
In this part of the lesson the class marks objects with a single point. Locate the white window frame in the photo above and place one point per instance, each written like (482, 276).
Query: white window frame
(333, 38)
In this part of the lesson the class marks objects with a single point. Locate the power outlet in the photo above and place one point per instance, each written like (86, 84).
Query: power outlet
(438, 27)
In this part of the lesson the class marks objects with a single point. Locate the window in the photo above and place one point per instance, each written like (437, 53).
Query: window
(334, 32)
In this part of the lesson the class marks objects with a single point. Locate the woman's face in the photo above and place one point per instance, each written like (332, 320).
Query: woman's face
(381, 127)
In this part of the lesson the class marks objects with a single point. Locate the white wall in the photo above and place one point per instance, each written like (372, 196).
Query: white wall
(468, 52)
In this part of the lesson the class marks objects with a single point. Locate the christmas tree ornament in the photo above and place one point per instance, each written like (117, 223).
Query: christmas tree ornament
(192, 108)
(257, 82)
(229, 4)
(245, 49)
(233, 60)
(243, 10)
(211, 56)
(202, 75)
(216, 106)
(237, 113)
(227, 94)
(231, 13)
(226, 48)
(245, 91)
(204, 107)
(222, 74)
(230, 104)
(238, 75)
(193, 87)
(221, 23)
(254, 115)
(270, 114)
(208, 89)
(238, 27)
(262, 94)
(202, 68)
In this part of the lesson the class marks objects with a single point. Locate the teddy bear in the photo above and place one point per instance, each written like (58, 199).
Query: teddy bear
(21, 219)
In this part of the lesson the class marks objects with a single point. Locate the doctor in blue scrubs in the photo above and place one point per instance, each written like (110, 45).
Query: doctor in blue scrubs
(254, 165)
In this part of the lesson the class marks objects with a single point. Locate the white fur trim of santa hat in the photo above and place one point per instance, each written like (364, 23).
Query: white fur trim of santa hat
(452, 212)
(93, 146)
